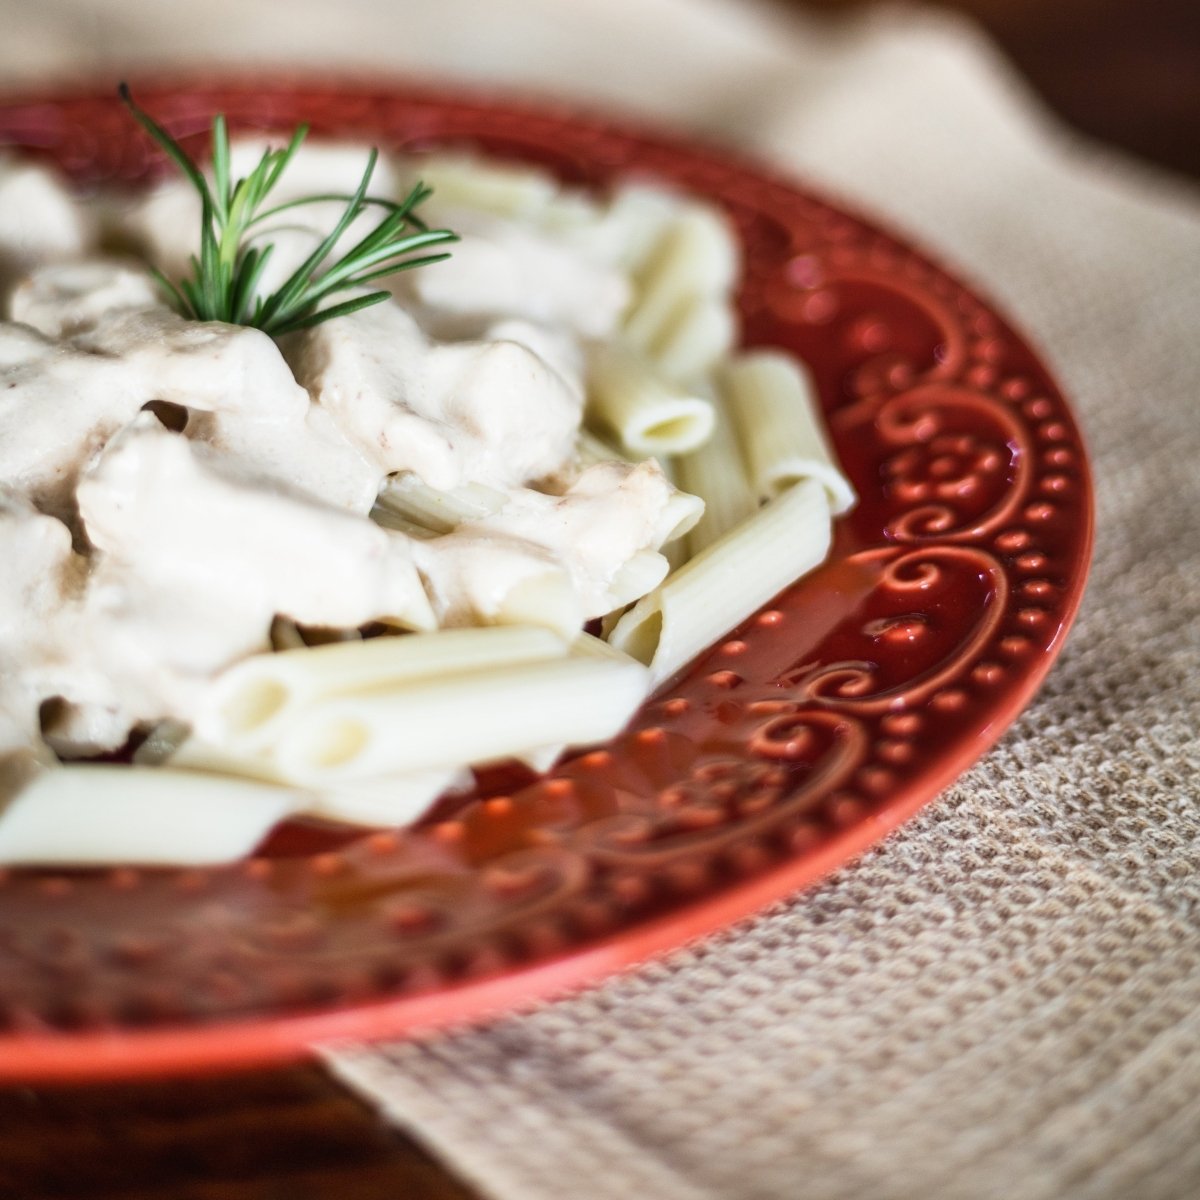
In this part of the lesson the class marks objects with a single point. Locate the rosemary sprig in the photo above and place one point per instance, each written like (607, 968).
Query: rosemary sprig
(225, 278)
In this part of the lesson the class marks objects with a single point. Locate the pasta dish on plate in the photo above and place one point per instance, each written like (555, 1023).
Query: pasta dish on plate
(326, 573)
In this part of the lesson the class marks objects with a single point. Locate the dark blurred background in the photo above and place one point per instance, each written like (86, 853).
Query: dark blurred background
(1124, 71)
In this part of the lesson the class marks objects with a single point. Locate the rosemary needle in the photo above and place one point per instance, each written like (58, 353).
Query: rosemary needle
(224, 280)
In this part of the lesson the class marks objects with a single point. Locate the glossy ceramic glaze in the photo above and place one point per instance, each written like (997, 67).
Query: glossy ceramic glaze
(801, 738)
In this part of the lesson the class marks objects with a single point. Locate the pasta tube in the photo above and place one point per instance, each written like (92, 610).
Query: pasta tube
(506, 189)
(495, 713)
(630, 400)
(251, 702)
(774, 411)
(414, 501)
(195, 754)
(163, 740)
(675, 546)
(637, 576)
(584, 646)
(727, 582)
(570, 214)
(715, 473)
(627, 232)
(701, 334)
(83, 816)
(391, 800)
(547, 599)
(697, 257)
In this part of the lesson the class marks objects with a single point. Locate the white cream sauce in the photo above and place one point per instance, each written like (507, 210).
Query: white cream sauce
(491, 412)
(39, 220)
(500, 269)
(148, 550)
(72, 297)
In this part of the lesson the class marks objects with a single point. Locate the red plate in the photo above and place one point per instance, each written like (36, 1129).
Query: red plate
(823, 722)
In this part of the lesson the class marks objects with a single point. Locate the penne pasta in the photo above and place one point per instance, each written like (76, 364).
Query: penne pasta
(249, 704)
(469, 182)
(716, 474)
(571, 215)
(587, 646)
(584, 646)
(384, 801)
(496, 713)
(389, 800)
(683, 511)
(257, 763)
(163, 741)
(639, 575)
(632, 224)
(285, 635)
(703, 331)
(388, 518)
(696, 257)
(82, 816)
(408, 497)
(360, 796)
(676, 554)
(648, 415)
(547, 599)
(774, 412)
(727, 581)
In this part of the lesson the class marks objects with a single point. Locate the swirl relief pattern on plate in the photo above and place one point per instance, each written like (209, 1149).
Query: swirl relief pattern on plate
(799, 739)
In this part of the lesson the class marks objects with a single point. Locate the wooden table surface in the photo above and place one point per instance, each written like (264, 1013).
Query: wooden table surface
(1123, 71)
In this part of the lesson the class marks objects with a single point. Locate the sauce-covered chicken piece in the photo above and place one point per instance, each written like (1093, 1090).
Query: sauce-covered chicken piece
(196, 555)
(604, 529)
(500, 269)
(64, 299)
(489, 412)
(45, 648)
(60, 402)
(235, 392)
(40, 221)
(59, 405)
(200, 364)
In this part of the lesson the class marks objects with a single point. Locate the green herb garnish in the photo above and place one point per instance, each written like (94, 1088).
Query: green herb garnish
(224, 282)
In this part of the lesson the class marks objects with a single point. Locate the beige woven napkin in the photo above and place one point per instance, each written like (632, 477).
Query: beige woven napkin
(1003, 1000)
